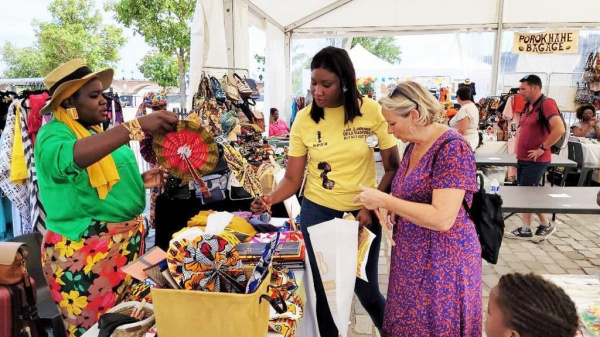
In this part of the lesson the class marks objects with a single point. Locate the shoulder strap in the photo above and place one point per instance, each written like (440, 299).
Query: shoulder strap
(464, 202)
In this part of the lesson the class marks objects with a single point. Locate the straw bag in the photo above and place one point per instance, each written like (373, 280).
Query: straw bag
(243, 87)
(221, 314)
(231, 89)
(137, 329)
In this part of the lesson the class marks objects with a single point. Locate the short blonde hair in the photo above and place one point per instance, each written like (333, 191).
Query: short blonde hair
(412, 95)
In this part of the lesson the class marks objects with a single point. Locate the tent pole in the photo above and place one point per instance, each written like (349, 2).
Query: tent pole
(497, 47)
(229, 31)
(287, 49)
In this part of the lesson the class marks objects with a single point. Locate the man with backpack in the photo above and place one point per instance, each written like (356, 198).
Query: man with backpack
(541, 127)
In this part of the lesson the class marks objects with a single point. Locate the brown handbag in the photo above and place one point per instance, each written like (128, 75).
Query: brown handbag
(12, 263)
(259, 119)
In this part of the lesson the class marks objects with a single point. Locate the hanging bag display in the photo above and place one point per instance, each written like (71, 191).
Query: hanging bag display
(243, 88)
(231, 89)
(588, 71)
(207, 108)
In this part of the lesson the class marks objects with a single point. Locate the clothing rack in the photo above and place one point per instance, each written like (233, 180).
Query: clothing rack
(227, 68)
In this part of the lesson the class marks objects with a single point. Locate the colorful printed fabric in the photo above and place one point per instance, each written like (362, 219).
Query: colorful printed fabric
(262, 267)
(283, 286)
(208, 263)
(242, 170)
(85, 276)
(435, 276)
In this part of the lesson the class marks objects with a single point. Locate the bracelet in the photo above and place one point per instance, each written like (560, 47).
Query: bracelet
(542, 147)
(135, 130)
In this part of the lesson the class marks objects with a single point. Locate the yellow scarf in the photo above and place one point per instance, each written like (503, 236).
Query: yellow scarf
(18, 166)
(103, 174)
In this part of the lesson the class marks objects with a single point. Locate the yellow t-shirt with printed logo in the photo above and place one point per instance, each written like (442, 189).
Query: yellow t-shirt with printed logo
(340, 158)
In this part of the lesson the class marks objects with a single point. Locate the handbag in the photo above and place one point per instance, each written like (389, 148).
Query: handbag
(486, 214)
(588, 71)
(236, 191)
(254, 87)
(231, 89)
(243, 88)
(207, 108)
(258, 119)
(220, 95)
(134, 329)
(14, 276)
(217, 185)
(13, 260)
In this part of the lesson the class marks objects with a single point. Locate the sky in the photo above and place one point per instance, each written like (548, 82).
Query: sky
(15, 26)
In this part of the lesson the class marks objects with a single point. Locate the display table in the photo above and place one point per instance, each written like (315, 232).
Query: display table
(492, 147)
(279, 141)
(307, 326)
(538, 199)
(591, 152)
(510, 159)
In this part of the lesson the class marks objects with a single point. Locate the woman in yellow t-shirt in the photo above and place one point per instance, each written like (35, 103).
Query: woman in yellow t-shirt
(337, 133)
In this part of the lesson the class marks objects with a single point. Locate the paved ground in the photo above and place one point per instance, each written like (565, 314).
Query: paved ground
(573, 249)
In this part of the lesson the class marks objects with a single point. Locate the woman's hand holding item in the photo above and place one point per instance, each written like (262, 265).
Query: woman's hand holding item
(371, 198)
(262, 204)
(364, 218)
(159, 122)
(154, 177)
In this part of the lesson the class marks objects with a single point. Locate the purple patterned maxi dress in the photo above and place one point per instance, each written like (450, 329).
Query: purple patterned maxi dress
(435, 277)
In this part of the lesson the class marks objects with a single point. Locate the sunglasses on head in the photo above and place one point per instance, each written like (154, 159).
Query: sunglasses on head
(405, 96)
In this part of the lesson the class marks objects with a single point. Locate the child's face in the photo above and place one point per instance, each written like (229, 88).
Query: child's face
(494, 323)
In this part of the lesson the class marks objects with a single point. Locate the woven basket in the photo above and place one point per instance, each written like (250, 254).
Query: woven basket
(137, 329)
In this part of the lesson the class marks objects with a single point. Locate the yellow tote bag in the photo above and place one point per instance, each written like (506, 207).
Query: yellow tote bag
(207, 314)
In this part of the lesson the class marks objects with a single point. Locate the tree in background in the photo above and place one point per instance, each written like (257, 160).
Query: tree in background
(165, 25)
(160, 68)
(300, 61)
(260, 59)
(382, 47)
(75, 31)
(21, 62)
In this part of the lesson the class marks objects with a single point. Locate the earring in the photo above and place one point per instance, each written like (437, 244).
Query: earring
(411, 130)
(344, 89)
(73, 113)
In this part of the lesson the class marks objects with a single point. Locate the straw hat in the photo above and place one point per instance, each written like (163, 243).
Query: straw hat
(67, 78)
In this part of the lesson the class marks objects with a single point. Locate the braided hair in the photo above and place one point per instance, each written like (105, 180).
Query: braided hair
(535, 307)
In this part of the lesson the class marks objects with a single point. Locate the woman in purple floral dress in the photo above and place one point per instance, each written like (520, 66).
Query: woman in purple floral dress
(435, 276)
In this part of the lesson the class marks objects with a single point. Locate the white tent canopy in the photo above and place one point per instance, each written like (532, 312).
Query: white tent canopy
(327, 17)
(367, 64)
(350, 18)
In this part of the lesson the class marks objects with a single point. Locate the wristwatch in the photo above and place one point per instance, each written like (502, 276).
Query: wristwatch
(542, 147)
